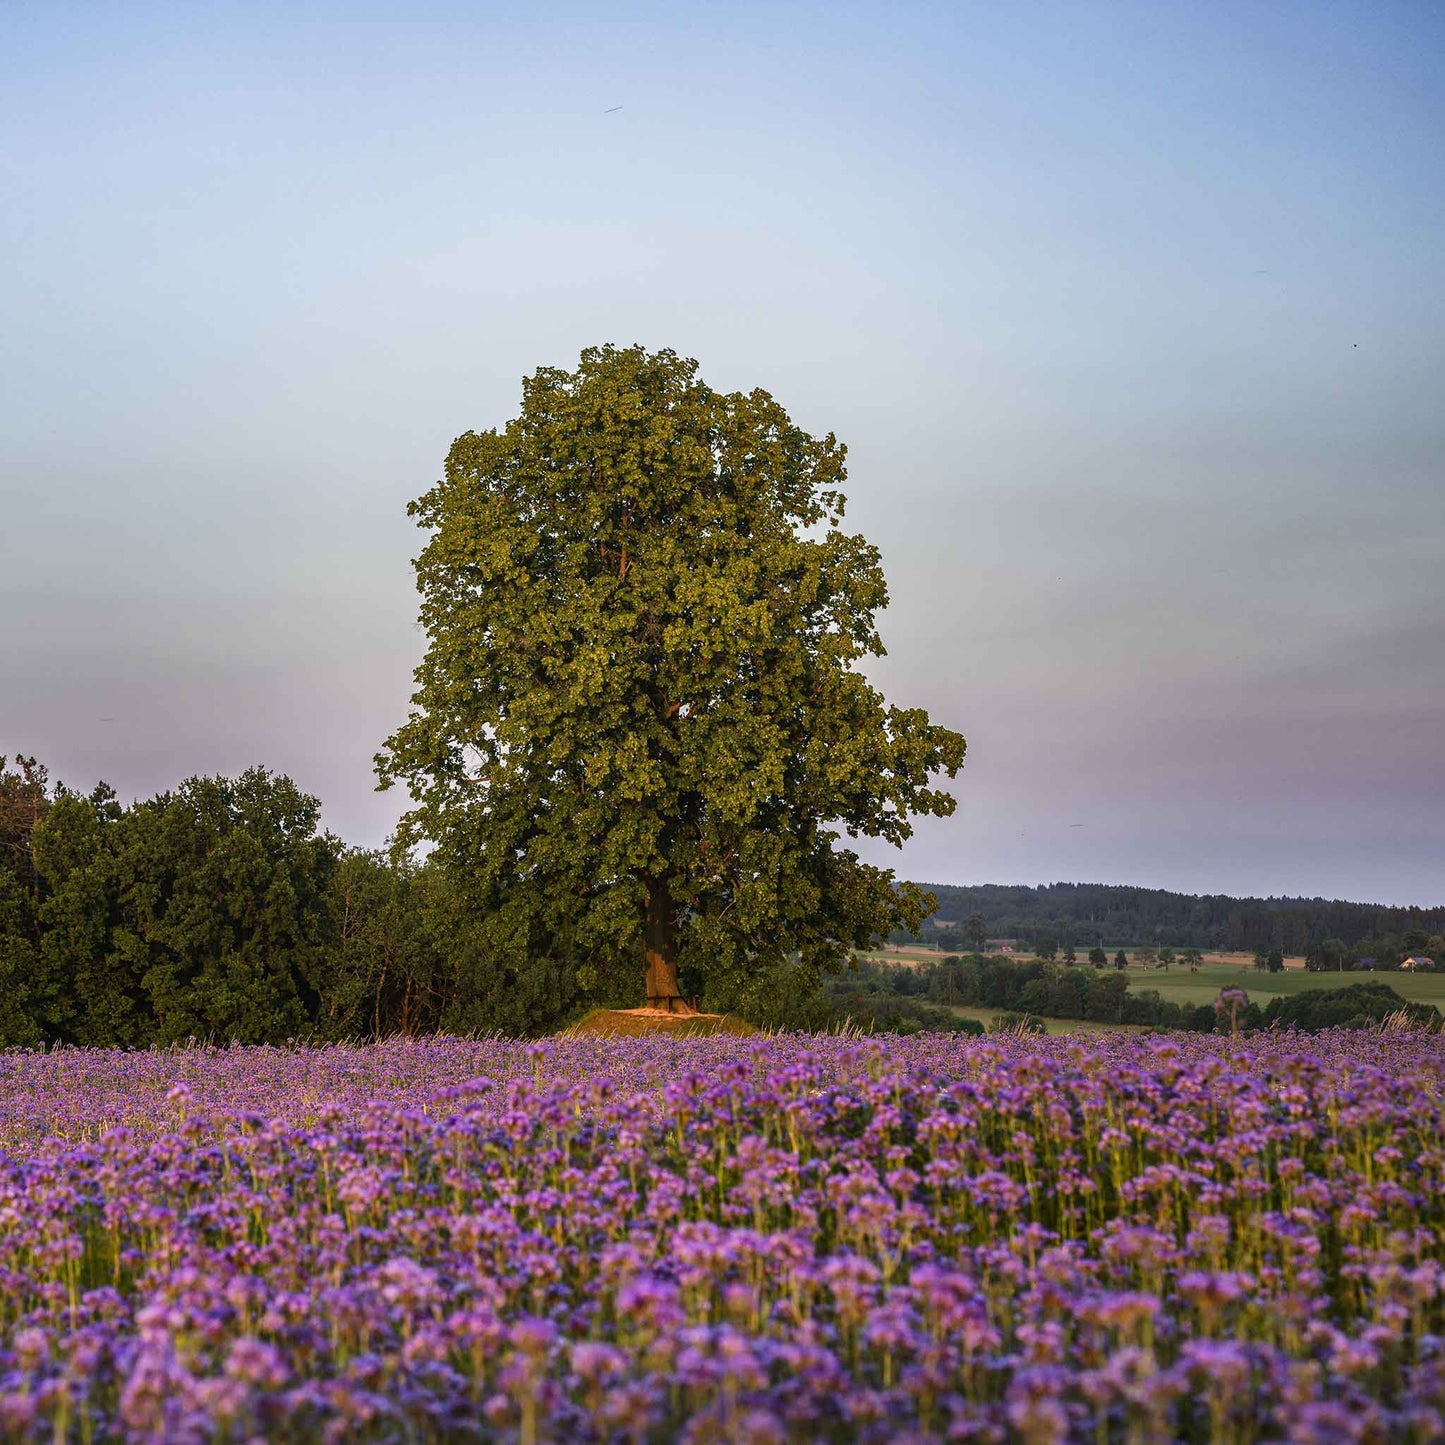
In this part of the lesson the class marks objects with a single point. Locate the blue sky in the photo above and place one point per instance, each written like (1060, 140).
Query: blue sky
(1131, 316)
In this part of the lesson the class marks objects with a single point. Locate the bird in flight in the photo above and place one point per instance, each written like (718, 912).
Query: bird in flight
(611, 109)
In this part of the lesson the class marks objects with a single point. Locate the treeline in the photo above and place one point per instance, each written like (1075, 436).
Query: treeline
(221, 911)
(877, 998)
(1055, 991)
(1090, 914)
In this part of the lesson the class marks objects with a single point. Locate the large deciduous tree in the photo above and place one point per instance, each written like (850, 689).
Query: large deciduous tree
(640, 730)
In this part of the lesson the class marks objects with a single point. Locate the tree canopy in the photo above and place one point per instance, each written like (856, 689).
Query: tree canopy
(640, 732)
(220, 910)
(196, 913)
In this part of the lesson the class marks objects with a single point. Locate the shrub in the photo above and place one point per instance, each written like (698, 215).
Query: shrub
(1359, 1005)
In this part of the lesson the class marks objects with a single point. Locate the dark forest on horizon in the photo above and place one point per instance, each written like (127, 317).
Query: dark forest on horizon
(1120, 915)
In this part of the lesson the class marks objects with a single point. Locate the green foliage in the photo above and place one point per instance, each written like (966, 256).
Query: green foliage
(1113, 915)
(386, 973)
(195, 914)
(788, 997)
(865, 997)
(640, 724)
(223, 908)
(87, 986)
(17, 964)
(975, 930)
(486, 987)
(1359, 1005)
(221, 911)
(1329, 955)
(405, 959)
(1046, 990)
(879, 998)
(24, 800)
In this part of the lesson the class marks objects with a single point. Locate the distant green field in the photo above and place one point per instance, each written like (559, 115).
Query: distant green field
(986, 1016)
(901, 955)
(1181, 986)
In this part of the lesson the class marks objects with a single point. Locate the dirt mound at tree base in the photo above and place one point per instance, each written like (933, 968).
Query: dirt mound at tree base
(635, 1021)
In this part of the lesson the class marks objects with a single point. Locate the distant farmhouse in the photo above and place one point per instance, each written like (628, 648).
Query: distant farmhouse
(1418, 963)
(990, 945)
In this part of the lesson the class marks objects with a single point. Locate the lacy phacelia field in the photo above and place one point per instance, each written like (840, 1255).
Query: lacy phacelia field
(727, 1239)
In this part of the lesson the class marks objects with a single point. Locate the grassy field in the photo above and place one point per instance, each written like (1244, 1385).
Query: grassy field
(1181, 986)
(986, 1016)
(897, 955)
(1219, 971)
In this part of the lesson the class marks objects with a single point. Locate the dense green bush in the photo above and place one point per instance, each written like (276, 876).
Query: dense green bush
(1360, 1005)
(222, 911)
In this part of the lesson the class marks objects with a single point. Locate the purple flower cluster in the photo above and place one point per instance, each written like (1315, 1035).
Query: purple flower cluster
(723, 1239)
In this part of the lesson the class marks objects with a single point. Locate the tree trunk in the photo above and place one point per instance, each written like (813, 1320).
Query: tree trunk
(660, 951)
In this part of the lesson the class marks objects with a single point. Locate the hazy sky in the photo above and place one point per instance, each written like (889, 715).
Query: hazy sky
(1131, 316)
